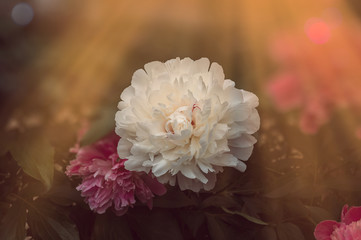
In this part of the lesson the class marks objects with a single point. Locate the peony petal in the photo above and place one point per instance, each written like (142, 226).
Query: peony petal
(220, 131)
(201, 86)
(250, 125)
(200, 66)
(324, 229)
(121, 211)
(225, 160)
(250, 98)
(234, 97)
(140, 108)
(352, 215)
(142, 147)
(212, 178)
(122, 105)
(155, 68)
(185, 65)
(235, 130)
(241, 166)
(187, 171)
(140, 81)
(186, 183)
(173, 65)
(128, 94)
(242, 153)
(205, 167)
(156, 187)
(243, 141)
(193, 172)
(134, 163)
(217, 72)
(344, 211)
(199, 175)
(152, 127)
(238, 113)
(228, 84)
(124, 147)
(167, 178)
(160, 168)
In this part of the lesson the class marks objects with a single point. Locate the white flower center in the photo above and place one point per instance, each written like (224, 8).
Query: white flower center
(179, 125)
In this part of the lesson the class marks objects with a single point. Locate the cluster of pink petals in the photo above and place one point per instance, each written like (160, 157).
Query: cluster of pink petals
(348, 229)
(105, 181)
(317, 79)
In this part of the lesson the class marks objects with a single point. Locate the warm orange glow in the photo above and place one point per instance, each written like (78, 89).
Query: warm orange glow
(64, 63)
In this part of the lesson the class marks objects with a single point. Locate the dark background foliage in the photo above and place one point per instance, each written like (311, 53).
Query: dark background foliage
(286, 190)
(67, 69)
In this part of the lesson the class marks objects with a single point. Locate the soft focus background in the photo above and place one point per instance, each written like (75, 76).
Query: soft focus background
(63, 65)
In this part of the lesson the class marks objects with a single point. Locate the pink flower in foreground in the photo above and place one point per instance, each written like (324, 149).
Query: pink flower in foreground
(348, 229)
(105, 181)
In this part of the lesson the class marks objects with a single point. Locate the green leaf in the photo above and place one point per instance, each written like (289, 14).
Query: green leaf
(155, 224)
(193, 220)
(100, 127)
(219, 201)
(62, 192)
(49, 222)
(7, 140)
(63, 195)
(220, 230)
(84, 220)
(342, 183)
(62, 137)
(294, 186)
(174, 199)
(226, 179)
(295, 208)
(4, 145)
(318, 214)
(109, 226)
(216, 228)
(13, 224)
(287, 231)
(267, 233)
(246, 216)
(35, 156)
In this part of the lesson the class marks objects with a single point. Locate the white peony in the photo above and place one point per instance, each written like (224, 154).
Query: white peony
(184, 122)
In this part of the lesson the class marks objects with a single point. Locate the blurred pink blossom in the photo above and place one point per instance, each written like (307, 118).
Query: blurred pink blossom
(105, 181)
(286, 91)
(348, 229)
(317, 79)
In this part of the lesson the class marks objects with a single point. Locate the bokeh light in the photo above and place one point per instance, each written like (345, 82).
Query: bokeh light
(22, 14)
(317, 30)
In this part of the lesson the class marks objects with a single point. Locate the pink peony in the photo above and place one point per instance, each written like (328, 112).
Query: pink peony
(286, 92)
(317, 80)
(105, 181)
(348, 229)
